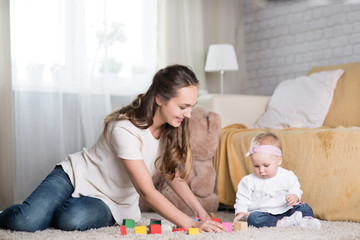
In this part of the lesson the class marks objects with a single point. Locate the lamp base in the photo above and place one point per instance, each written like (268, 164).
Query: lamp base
(222, 81)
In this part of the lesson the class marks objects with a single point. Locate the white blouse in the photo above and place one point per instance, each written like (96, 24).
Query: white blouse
(99, 171)
(267, 195)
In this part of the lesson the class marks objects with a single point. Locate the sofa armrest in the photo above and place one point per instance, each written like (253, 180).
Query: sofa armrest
(235, 108)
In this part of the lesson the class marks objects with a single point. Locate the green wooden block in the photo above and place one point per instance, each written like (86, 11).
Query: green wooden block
(129, 223)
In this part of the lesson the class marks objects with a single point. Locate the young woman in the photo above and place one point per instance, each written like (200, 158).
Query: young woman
(101, 185)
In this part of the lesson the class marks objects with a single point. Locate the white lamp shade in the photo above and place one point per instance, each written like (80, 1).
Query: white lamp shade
(221, 57)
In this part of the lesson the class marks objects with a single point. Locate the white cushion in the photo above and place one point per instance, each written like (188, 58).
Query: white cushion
(302, 102)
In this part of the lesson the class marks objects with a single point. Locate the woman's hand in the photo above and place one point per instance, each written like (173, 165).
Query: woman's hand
(292, 199)
(182, 189)
(209, 226)
(143, 184)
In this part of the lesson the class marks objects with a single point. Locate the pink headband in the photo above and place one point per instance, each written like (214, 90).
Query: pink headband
(257, 148)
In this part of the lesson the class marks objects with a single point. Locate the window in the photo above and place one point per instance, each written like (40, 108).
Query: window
(73, 61)
(75, 45)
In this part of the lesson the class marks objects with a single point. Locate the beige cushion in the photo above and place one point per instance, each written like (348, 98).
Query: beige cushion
(345, 107)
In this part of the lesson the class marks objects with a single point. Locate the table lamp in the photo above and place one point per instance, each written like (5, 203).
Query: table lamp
(221, 57)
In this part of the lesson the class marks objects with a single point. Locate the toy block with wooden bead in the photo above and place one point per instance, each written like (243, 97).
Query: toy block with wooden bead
(129, 223)
(193, 231)
(155, 229)
(140, 230)
(240, 226)
(123, 230)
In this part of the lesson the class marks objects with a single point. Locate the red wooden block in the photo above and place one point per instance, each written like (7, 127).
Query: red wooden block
(155, 221)
(216, 220)
(123, 230)
(179, 230)
(155, 229)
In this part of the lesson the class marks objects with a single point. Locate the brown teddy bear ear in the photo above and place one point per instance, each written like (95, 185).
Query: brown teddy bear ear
(203, 119)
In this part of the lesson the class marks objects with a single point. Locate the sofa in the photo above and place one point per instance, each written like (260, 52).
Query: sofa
(326, 158)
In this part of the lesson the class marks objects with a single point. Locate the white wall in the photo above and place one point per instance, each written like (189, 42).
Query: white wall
(284, 39)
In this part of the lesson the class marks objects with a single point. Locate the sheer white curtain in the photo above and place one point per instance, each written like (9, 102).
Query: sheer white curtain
(72, 63)
(180, 35)
(6, 110)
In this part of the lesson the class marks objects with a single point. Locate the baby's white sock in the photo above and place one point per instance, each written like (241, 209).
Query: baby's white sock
(298, 220)
(293, 220)
(309, 222)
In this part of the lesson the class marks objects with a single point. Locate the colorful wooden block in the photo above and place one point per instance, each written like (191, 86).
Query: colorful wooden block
(140, 230)
(155, 221)
(155, 229)
(123, 230)
(228, 226)
(179, 230)
(216, 219)
(240, 226)
(193, 231)
(129, 223)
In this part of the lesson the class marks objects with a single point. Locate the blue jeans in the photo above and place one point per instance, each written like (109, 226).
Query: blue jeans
(264, 219)
(51, 205)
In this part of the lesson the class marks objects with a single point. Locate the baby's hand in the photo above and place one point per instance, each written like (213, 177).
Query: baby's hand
(292, 199)
(239, 216)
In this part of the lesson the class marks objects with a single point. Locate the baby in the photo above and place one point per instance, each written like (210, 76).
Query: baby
(270, 197)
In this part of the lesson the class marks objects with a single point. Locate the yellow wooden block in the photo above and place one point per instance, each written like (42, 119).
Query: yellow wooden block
(140, 230)
(212, 214)
(193, 231)
(240, 226)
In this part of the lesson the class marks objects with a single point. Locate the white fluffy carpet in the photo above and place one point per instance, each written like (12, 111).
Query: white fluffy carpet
(329, 230)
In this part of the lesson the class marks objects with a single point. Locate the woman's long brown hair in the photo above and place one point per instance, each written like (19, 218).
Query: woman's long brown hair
(165, 84)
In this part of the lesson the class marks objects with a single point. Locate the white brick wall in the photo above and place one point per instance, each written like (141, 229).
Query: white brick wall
(284, 39)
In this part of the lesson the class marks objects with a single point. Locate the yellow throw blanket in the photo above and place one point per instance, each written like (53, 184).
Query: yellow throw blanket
(326, 161)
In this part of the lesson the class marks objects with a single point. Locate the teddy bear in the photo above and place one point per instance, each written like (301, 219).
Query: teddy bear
(204, 128)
